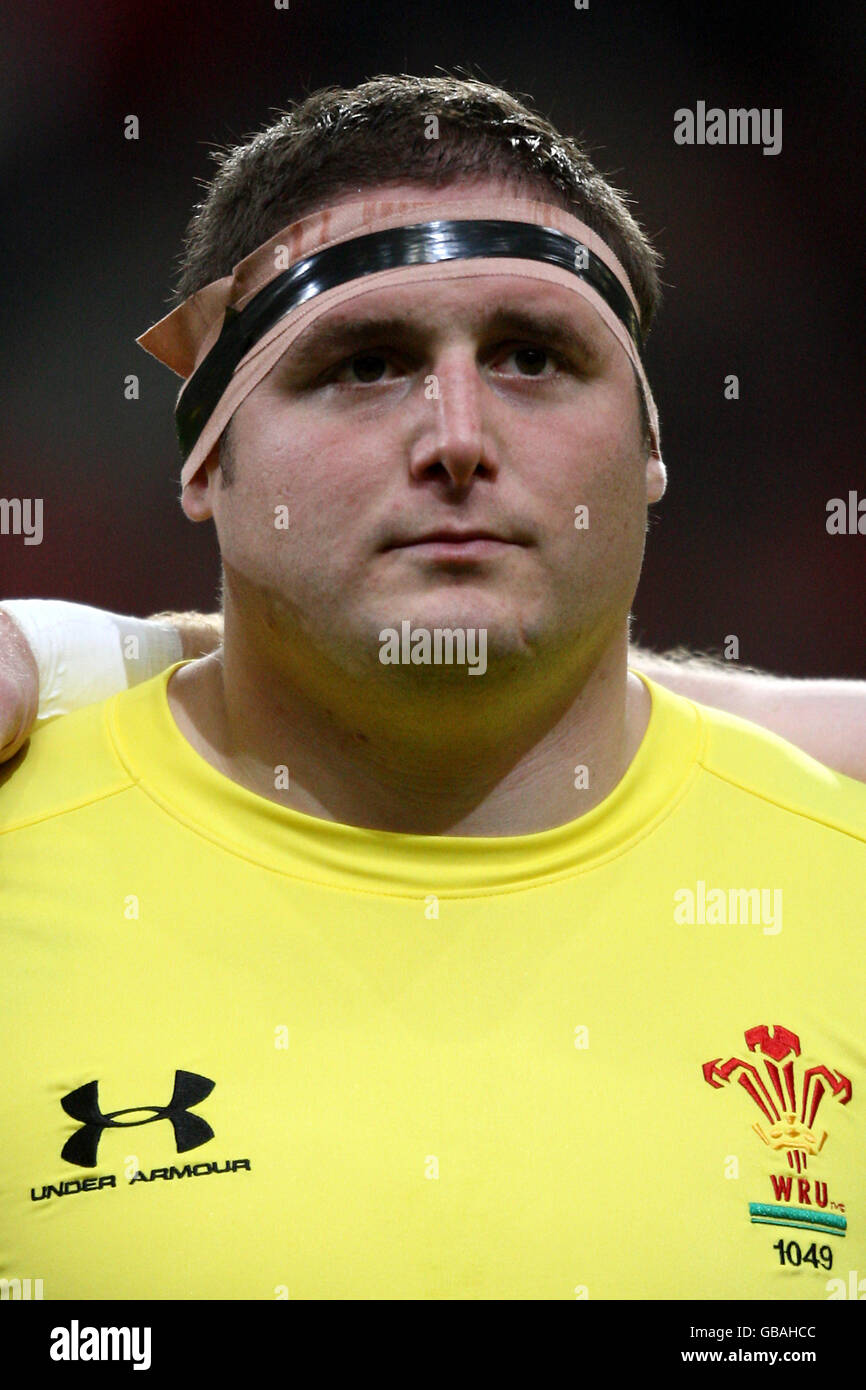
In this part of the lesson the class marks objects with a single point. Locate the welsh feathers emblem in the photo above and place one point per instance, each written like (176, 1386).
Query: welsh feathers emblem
(789, 1098)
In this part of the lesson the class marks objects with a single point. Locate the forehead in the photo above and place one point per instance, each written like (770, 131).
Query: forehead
(437, 309)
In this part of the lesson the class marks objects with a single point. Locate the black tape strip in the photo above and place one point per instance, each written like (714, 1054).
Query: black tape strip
(421, 244)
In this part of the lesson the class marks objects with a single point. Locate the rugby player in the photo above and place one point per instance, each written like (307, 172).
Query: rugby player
(340, 963)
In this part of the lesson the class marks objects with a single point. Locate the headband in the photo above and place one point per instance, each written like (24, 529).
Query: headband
(226, 337)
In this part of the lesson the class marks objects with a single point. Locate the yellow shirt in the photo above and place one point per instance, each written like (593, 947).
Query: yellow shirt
(251, 1054)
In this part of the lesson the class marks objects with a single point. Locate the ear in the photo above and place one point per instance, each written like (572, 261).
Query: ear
(197, 496)
(656, 477)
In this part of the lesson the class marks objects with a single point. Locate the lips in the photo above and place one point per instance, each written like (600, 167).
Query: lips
(447, 536)
(456, 537)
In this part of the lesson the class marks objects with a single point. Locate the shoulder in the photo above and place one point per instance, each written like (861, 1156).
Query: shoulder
(765, 767)
(66, 764)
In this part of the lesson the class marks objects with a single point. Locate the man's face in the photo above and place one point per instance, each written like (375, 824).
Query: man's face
(492, 405)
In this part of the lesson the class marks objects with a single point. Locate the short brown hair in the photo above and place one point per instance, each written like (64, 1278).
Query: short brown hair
(371, 135)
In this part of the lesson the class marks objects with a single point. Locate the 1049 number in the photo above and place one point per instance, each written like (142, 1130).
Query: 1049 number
(791, 1254)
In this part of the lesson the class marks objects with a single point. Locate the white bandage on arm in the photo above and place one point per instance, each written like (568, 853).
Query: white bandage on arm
(84, 655)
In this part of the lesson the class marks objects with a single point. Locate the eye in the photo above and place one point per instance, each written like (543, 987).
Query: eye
(531, 360)
(366, 368)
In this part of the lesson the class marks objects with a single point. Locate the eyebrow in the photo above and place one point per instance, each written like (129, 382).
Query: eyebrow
(326, 339)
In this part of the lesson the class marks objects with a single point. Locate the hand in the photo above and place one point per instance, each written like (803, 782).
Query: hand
(19, 687)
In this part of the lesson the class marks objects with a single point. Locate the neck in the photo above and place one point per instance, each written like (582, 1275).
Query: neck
(507, 764)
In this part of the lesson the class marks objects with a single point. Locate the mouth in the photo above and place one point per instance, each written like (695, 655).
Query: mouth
(476, 542)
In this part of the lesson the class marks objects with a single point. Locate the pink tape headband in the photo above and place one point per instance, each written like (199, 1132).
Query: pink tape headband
(184, 337)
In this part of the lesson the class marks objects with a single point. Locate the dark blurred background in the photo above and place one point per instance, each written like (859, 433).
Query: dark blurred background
(763, 274)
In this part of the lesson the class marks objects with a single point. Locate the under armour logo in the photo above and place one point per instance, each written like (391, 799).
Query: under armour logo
(190, 1131)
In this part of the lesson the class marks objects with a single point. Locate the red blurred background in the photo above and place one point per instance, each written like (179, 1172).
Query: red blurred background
(763, 267)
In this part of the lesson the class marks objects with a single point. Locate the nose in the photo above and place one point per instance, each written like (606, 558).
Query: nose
(453, 439)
